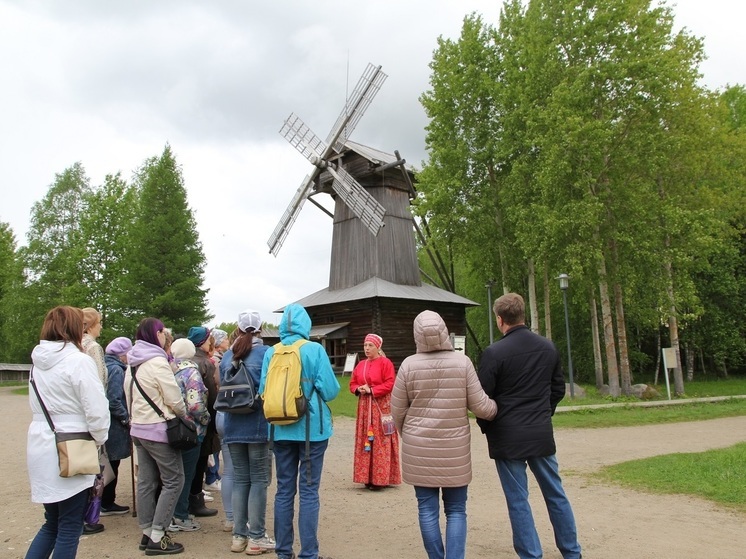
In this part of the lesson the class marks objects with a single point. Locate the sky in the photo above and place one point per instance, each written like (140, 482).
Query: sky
(109, 84)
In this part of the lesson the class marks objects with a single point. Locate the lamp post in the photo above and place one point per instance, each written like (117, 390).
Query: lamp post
(564, 281)
(490, 318)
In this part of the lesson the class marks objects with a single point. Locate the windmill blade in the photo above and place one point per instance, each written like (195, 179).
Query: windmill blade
(359, 200)
(291, 214)
(365, 90)
(302, 138)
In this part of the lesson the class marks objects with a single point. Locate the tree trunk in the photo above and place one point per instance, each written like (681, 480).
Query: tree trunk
(657, 358)
(609, 343)
(689, 363)
(533, 307)
(621, 332)
(598, 364)
(673, 330)
(547, 305)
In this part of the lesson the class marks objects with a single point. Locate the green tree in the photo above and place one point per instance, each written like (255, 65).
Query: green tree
(165, 259)
(105, 227)
(17, 335)
(56, 245)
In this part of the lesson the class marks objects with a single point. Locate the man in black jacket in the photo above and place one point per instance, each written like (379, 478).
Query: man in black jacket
(522, 372)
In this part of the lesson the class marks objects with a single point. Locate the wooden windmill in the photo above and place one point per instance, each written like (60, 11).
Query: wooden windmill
(374, 279)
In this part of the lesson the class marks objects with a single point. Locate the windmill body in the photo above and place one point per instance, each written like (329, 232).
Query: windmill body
(374, 278)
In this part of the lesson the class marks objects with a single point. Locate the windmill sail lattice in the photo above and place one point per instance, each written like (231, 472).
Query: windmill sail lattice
(318, 152)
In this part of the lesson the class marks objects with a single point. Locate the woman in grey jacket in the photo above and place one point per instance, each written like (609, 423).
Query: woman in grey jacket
(433, 393)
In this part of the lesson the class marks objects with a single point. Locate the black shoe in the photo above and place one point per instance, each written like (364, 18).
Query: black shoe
(92, 528)
(114, 509)
(197, 506)
(143, 542)
(163, 547)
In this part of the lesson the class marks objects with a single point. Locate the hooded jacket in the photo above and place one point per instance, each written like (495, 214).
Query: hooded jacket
(433, 392)
(68, 382)
(317, 377)
(156, 378)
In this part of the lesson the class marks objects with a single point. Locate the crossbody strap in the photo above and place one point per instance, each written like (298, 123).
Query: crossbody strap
(41, 402)
(156, 409)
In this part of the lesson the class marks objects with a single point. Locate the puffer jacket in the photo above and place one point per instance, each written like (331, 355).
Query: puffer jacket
(433, 392)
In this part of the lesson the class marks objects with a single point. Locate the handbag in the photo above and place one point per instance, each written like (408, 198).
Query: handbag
(93, 508)
(180, 431)
(388, 427)
(77, 452)
(236, 393)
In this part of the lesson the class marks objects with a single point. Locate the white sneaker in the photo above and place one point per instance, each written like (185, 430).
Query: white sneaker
(227, 525)
(238, 544)
(208, 498)
(214, 486)
(264, 544)
(188, 525)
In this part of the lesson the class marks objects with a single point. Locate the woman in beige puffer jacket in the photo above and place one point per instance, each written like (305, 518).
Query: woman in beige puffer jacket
(433, 392)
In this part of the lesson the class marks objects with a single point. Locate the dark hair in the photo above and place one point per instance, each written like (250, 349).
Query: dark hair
(63, 324)
(243, 344)
(148, 329)
(511, 308)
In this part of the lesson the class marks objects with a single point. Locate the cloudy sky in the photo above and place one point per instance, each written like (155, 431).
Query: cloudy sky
(110, 83)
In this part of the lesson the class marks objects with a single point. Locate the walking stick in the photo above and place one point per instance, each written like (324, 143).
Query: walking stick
(132, 477)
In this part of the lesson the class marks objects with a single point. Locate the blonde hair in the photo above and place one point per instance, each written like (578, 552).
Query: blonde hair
(91, 317)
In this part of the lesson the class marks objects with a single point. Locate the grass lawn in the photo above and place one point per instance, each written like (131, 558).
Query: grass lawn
(717, 475)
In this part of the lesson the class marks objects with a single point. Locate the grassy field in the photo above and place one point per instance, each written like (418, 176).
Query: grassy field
(716, 475)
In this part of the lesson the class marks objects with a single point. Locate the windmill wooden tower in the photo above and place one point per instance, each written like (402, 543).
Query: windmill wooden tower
(374, 279)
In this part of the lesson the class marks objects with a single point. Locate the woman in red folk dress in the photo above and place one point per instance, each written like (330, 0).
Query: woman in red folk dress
(376, 462)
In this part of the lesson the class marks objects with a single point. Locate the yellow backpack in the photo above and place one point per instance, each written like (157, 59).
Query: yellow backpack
(284, 400)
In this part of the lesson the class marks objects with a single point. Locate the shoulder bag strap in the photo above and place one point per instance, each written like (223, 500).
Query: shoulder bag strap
(41, 402)
(147, 398)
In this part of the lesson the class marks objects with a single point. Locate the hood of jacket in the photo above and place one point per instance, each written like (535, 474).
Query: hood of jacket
(295, 324)
(48, 354)
(431, 333)
(143, 351)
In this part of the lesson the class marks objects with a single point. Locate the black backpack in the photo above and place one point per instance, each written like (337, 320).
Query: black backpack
(237, 393)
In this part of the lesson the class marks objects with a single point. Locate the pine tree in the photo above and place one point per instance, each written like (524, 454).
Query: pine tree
(165, 260)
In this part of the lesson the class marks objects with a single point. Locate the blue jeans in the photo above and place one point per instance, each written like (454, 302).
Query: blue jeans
(290, 461)
(226, 483)
(159, 465)
(250, 481)
(454, 506)
(213, 472)
(61, 530)
(515, 486)
(189, 461)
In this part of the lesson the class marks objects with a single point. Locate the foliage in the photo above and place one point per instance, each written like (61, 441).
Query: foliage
(575, 137)
(164, 255)
(717, 475)
(127, 250)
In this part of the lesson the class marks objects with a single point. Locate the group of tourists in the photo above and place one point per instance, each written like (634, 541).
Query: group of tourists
(412, 426)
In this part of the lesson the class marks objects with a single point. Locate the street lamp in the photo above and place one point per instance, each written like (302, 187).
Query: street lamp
(490, 318)
(564, 281)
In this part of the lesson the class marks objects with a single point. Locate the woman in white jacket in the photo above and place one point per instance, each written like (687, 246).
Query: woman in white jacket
(69, 386)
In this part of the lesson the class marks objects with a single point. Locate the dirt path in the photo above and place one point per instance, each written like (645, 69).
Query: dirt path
(614, 523)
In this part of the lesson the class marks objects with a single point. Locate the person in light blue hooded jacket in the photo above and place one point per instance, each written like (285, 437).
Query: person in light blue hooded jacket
(291, 458)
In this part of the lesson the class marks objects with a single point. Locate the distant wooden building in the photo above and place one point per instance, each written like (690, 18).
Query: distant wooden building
(374, 281)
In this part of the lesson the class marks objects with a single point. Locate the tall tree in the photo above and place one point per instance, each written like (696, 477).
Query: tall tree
(165, 259)
(105, 227)
(17, 334)
(56, 244)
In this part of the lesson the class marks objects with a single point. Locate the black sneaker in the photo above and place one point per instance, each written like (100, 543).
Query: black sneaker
(89, 529)
(143, 542)
(114, 509)
(164, 547)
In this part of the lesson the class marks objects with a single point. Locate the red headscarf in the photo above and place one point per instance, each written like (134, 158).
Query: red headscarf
(375, 339)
